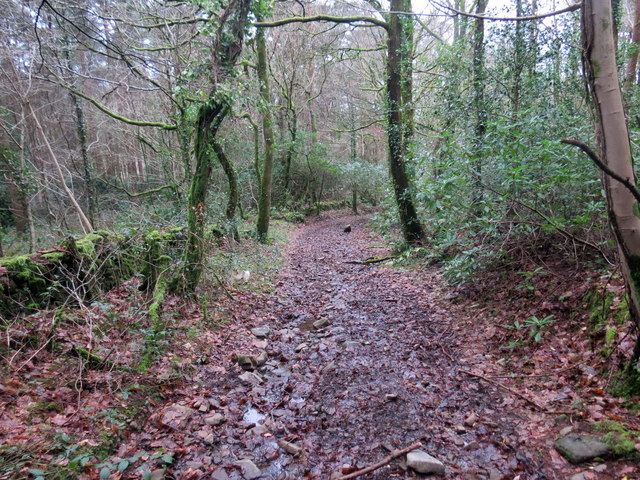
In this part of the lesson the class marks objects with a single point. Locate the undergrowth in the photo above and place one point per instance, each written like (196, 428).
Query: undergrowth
(120, 354)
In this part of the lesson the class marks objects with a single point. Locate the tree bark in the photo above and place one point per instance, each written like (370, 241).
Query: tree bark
(411, 227)
(406, 77)
(226, 49)
(631, 73)
(210, 117)
(518, 64)
(291, 148)
(24, 184)
(232, 178)
(81, 128)
(479, 107)
(599, 56)
(266, 180)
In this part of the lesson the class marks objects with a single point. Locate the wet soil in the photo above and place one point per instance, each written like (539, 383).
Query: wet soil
(361, 360)
(379, 377)
(386, 370)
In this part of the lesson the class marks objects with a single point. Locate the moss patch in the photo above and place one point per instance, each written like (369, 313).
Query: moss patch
(87, 244)
(88, 266)
(618, 438)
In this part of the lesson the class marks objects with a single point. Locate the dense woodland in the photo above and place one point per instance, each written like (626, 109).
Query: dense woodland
(161, 140)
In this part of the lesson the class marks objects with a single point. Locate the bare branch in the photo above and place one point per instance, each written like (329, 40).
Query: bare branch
(138, 194)
(570, 8)
(323, 18)
(116, 116)
(591, 154)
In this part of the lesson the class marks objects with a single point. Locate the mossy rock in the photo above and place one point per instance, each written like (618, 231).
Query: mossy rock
(581, 448)
(87, 245)
(26, 273)
(90, 264)
(54, 257)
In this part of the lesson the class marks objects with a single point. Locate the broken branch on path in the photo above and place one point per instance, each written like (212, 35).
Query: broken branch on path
(371, 260)
(515, 392)
(224, 287)
(395, 454)
(541, 375)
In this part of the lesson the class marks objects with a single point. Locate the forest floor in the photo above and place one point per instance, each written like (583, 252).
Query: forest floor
(361, 360)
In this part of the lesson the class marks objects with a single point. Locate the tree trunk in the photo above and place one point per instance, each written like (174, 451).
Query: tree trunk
(232, 178)
(353, 146)
(184, 140)
(81, 128)
(264, 202)
(518, 64)
(354, 199)
(479, 107)
(630, 77)
(210, 117)
(406, 77)
(411, 227)
(226, 49)
(13, 176)
(24, 183)
(84, 221)
(599, 57)
(291, 149)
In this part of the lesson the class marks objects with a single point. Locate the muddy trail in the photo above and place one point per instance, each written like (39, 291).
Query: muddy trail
(362, 360)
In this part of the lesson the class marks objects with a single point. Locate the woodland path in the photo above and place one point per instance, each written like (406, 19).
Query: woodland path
(383, 374)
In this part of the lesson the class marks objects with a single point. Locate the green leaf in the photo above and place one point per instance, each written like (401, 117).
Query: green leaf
(36, 471)
(167, 458)
(123, 465)
(105, 473)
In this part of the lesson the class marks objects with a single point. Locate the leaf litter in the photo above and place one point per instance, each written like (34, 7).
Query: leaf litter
(362, 360)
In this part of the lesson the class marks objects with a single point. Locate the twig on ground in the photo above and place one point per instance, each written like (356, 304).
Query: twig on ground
(224, 287)
(515, 392)
(395, 454)
(447, 353)
(42, 347)
(371, 260)
(540, 375)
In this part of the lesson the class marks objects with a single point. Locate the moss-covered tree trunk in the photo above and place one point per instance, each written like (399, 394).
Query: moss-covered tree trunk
(210, 116)
(227, 47)
(291, 148)
(232, 179)
(599, 54)
(479, 107)
(411, 227)
(264, 202)
(81, 128)
(406, 79)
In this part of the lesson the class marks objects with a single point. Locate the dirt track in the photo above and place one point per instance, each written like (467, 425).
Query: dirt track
(385, 371)
(381, 376)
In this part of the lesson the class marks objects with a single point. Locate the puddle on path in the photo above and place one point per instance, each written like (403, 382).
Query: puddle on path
(253, 416)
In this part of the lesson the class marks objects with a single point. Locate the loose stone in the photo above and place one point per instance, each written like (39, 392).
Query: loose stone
(422, 462)
(579, 448)
(261, 332)
(249, 469)
(215, 419)
(251, 378)
(290, 447)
